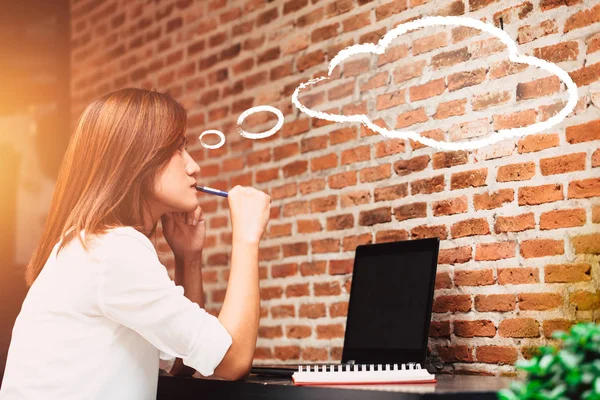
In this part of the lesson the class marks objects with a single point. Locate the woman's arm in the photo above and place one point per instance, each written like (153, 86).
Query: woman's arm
(240, 313)
(188, 273)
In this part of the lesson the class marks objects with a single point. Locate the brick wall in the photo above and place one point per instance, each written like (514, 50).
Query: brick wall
(518, 219)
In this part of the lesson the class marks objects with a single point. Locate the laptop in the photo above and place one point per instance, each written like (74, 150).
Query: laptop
(389, 309)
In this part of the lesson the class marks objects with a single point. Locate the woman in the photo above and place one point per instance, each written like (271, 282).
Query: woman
(102, 312)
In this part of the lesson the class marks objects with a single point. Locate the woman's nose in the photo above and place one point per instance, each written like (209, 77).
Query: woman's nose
(192, 168)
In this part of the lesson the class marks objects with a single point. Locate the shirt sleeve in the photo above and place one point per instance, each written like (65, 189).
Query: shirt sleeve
(136, 291)
(166, 362)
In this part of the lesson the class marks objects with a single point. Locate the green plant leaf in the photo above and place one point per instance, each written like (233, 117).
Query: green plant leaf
(506, 394)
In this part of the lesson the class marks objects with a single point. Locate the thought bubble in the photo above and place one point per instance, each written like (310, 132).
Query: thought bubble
(247, 135)
(380, 48)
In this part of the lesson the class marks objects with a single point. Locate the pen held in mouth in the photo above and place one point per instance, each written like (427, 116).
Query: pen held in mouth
(206, 189)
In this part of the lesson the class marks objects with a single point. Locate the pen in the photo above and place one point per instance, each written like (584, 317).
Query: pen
(206, 189)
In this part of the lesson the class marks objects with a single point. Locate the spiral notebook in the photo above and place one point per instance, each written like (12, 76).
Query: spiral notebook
(362, 374)
(389, 313)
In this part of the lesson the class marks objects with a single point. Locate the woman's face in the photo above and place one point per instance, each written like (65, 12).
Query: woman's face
(176, 185)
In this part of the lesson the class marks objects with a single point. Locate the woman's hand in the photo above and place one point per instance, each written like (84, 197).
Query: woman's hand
(249, 209)
(185, 239)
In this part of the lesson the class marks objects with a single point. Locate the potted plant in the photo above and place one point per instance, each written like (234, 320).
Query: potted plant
(568, 372)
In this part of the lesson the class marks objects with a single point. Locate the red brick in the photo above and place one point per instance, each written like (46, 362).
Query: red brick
(409, 71)
(427, 90)
(313, 268)
(584, 301)
(340, 267)
(495, 251)
(355, 198)
(480, 277)
(457, 255)
(562, 219)
(539, 301)
(449, 58)
(488, 201)
(415, 164)
(532, 143)
(287, 352)
(428, 186)
(516, 172)
(449, 159)
(586, 244)
(320, 246)
(542, 248)
(327, 288)
(533, 195)
(538, 88)
(313, 143)
(517, 223)
(410, 118)
(473, 178)
(375, 173)
(312, 311)
(443, 281)
(515, 120)
(470, 227)
(389, 100)
(389, 147)
(391, 192)
(393, 235)
(439, 329)
(519, 328)
(309, 226)
(330, 331)
(340, 222)
(486, 100)
(283, 311)
(451, 206)
(457, 353)
(294, 249)
(452, 303)
(429, 43)
(312, 186)
(495, 302)
(324, 162)
(424, 231)
(516, 276)
(558, 52)
(357, 154)
(567, 273)
(410, 211)
(298, 331)
(356, 22)
(339, 309)
(450, 109)
(376, 216)
(583, 18)
(297, 290)
(270, 332)
(465, 79)
(553, 325)
(341, 180)
(496, 354)
(310, 60)
(584, 188)
(481, 328)
(350, 243)
(586, 132)
(563, 164)
(342, 135)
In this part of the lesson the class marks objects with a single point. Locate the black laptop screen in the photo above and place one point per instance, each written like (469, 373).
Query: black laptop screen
(390, 304)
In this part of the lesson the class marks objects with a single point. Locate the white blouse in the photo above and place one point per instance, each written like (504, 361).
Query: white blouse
(99, 324)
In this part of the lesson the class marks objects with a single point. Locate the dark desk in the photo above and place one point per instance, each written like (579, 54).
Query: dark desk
(448, 387)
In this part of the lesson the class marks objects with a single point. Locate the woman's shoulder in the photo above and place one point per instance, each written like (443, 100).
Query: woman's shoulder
(124, 240)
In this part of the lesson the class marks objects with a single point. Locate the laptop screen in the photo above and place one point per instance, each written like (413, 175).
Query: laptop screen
(389, 310)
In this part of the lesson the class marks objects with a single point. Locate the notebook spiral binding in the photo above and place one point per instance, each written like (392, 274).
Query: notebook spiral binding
(360, 367)
(361, 373)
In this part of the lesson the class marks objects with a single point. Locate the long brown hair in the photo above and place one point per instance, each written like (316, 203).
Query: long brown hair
(120, 144)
